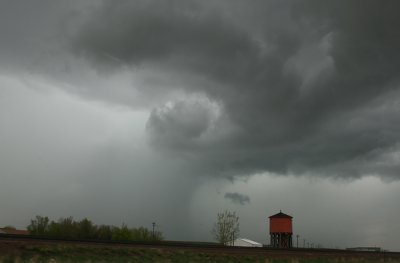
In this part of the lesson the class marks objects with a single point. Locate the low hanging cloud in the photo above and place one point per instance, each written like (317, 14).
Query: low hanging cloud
(237, 198)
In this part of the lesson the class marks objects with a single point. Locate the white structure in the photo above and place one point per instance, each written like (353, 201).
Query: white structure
(244, 242)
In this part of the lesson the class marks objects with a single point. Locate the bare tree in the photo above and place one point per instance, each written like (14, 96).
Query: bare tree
(226, 228)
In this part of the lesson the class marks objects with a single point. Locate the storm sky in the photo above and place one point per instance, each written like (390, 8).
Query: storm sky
(171, 111)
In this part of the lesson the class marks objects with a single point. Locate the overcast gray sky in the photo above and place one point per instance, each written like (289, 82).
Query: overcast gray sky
(173, 110)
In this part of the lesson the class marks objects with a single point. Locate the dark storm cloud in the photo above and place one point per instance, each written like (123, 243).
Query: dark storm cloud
(157, 30)
(295, 81)
(237, 198)
(180, 125)
(32, 32)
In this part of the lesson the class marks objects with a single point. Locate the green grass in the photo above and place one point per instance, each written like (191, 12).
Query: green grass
(90, 254)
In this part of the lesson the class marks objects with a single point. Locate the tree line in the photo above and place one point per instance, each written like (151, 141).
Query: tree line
(86, 229)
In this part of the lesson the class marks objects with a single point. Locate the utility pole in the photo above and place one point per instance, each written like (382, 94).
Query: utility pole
(297, 240)
(304, 243)
(154, 225)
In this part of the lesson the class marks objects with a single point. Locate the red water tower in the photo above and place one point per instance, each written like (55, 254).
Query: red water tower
(280, 230)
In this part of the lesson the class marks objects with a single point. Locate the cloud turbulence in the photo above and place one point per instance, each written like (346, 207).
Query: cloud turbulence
(314, 93)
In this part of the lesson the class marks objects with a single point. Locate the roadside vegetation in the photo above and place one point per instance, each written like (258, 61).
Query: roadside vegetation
(87, 230)
(89, 254)
(59, 253)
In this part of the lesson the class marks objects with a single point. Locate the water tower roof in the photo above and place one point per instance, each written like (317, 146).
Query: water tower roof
(281, 215)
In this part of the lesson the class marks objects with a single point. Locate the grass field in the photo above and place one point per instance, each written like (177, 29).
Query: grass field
(32, 253)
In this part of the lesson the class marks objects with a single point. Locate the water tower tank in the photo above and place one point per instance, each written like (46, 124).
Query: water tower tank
(280, 230)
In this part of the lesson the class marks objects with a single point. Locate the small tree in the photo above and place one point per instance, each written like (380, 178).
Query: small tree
(86, 229)
(226, 229)
(122, 233)
(68, 227)
(39, 226)
(104, 232)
